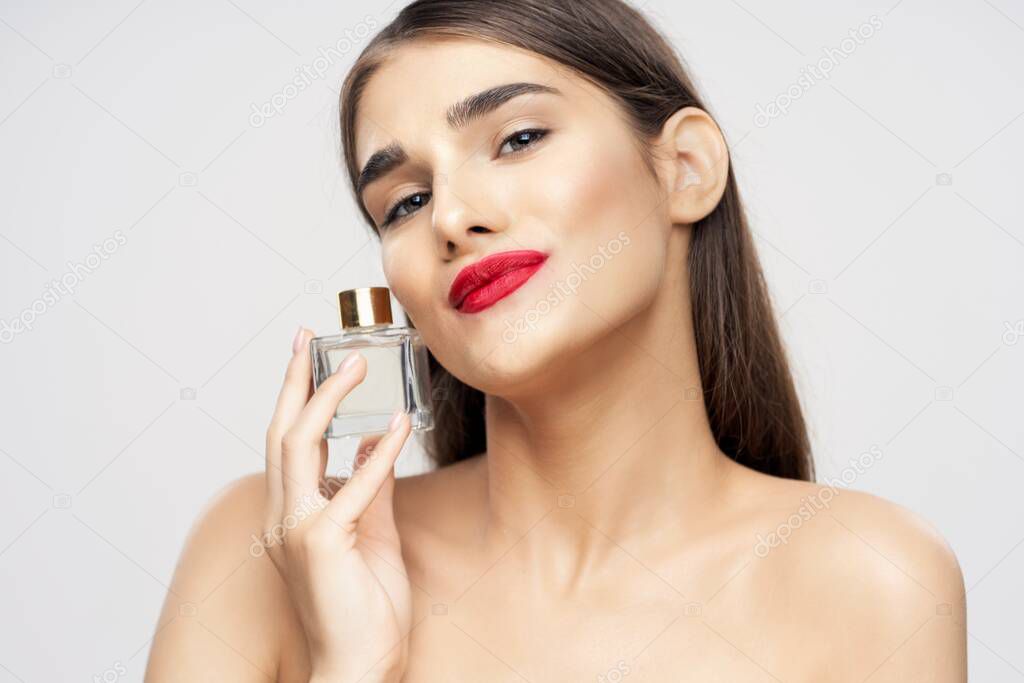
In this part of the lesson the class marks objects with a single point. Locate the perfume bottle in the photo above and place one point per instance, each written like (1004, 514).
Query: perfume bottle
(397, 374)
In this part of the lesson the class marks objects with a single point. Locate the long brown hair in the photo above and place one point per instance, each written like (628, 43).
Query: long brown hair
(749, 395)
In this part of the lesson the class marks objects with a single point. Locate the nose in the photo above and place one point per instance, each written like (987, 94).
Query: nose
(462, 213)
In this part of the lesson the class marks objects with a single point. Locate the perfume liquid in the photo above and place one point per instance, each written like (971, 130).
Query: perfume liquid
(397, 373)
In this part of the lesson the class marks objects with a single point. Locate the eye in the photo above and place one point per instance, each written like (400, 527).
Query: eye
(405, 206)
(521, 140)
(525, 138)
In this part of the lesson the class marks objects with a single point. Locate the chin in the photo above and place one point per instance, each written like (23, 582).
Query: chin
(507, 361)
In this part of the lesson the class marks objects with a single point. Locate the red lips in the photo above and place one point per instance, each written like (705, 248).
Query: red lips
(493, 277)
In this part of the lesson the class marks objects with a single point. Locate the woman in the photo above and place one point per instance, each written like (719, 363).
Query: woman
(625, 484)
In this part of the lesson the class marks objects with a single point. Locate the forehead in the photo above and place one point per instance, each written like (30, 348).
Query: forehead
(411, 91)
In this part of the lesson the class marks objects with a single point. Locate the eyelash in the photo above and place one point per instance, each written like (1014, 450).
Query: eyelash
(540, 133)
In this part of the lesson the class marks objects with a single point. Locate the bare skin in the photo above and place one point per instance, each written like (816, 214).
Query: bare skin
(603, 536)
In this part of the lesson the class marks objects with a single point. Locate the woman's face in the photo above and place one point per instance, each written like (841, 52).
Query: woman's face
(551, 166)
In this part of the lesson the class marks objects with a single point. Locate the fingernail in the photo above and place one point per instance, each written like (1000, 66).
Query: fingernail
(395, 419)
(297, 342)
(349, 361)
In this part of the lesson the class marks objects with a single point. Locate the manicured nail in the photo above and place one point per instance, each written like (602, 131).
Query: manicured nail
(297, 342)
(349, 361)
(395, 419)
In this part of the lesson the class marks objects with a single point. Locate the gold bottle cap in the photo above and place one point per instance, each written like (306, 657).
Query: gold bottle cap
(364, 306)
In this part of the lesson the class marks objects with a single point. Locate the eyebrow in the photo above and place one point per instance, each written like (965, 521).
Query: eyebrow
(459, 115)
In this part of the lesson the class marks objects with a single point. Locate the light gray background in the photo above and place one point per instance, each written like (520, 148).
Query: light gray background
(899, 287)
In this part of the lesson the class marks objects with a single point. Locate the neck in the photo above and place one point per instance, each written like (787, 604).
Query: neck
(615, 446)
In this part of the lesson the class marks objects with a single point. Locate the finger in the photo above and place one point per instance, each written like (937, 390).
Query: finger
(295, 392)
(323, 459)
(330, 485)
(349, 504)
(300, 458)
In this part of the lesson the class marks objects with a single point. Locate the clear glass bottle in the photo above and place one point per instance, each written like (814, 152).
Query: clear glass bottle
(397, 374)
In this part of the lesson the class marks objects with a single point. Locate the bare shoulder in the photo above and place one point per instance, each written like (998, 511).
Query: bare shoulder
(227, 614)
(853, 564)
(882, 542)
(437, 515)
(440, 499)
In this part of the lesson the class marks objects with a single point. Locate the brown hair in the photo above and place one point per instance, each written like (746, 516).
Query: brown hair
(749, 394)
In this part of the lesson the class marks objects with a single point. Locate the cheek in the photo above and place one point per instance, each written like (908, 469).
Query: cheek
(411, 270)
(589, 192)
(574, 188)
(408, 276)
(607, 215)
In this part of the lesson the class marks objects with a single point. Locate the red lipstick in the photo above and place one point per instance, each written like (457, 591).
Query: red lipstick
(493, 277)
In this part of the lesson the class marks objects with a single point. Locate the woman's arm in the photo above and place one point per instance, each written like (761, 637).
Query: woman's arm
(898, 598)
(918, 588)
(273, 557)
(226, 603)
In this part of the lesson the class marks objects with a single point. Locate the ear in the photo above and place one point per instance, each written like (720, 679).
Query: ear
(693, 164)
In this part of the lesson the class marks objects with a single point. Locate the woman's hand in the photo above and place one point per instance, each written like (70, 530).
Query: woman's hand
(341, 556)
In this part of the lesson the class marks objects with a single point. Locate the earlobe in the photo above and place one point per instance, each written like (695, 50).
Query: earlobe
(695, 164)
